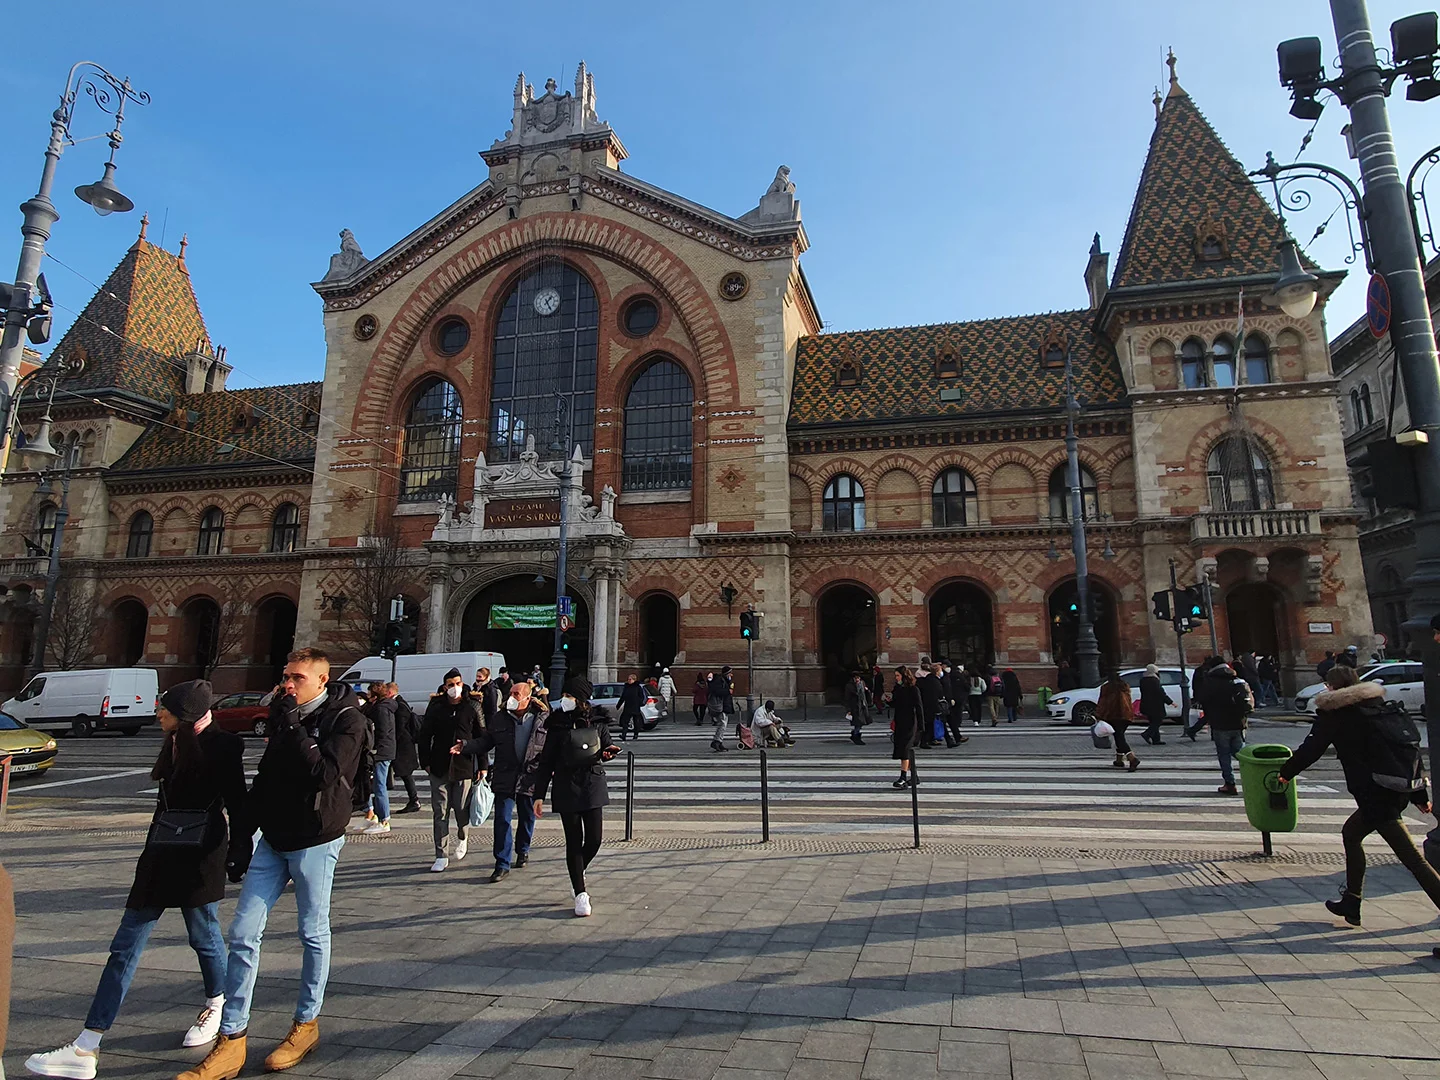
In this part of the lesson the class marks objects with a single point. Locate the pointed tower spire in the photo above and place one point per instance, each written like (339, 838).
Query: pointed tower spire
(1176, 90)
(184, 243)
(144, 224)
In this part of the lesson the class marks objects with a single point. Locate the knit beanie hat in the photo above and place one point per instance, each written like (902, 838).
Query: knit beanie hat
(579, 688)
(188, 701)
(454, 673)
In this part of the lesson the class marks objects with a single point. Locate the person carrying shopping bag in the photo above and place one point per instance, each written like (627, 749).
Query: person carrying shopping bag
(1115, 708)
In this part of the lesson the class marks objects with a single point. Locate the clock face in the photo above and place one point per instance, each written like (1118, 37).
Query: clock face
(547, 301)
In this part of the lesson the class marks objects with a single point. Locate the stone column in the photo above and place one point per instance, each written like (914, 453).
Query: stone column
(437, 635)
(600, 628)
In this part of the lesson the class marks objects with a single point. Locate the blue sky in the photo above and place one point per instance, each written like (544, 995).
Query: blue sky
(953, 159)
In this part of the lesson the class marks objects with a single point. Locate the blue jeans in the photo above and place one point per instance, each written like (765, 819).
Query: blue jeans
(512, 840)
(1268, 695)
(1227, 745)
(381, 799)
(203, 926)
(313, 870)
(1012, 712)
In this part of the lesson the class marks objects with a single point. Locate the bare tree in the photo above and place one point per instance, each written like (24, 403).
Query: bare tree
(228, 628)
(379, 574)
(74, 625)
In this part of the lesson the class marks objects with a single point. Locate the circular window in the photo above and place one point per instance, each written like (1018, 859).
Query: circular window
(451, 336)
(641, 316)
(366, 327)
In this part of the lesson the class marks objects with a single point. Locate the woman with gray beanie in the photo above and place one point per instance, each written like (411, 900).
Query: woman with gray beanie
(201, 778)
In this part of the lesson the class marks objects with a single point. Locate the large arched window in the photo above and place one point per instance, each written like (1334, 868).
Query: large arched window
(1192, 363)
(1060, 494)
(142, 529)
(212, 531)
(1257, 360)
(658, 443)
(1355, 413)
(1365, 406)
(545, 349)
(430, 464)
(285, 529)
(1222, 362)
(953, 500)
(843, 503)
(45, 526)
(1239, 476)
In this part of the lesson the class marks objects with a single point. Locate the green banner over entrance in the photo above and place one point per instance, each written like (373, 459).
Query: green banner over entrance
(522, 617)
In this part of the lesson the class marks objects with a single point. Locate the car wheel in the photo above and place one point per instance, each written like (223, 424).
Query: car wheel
(258, 728)
(1083, 713)
(81, 727)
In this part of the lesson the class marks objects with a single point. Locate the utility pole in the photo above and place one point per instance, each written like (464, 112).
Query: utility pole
(750, 670)
(1180, 648)
(1087, 649)
(1210, 613)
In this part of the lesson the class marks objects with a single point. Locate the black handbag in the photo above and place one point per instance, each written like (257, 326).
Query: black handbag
(178, 829)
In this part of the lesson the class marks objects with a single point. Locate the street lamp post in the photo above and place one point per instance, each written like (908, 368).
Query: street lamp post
(40, 214)
(558, 666)
(1087, 649)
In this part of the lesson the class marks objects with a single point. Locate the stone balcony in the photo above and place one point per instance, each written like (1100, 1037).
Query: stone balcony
(1242, 526)
(20, 569)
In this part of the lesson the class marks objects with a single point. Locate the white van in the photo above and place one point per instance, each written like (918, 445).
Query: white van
(82, 702)
(420, 675)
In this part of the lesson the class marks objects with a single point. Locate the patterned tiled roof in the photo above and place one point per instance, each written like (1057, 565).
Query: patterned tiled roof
(136, 328)
(275, 424)
(1001, 370)
(1191, 179)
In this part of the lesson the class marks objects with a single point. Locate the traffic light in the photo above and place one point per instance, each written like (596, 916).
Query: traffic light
(398, 638)
(749, 625)
(1391, 473)
(408, 635)
(1190, 604)
(1161, 600)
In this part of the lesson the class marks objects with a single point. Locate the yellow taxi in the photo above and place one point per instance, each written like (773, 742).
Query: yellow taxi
(30, 751)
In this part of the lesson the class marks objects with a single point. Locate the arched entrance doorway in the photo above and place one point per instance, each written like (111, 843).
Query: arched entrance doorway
(200, 638)
(659, 616)
(274, 640)
(1255, 615)
(131, 622)
(525, 600)
(1065, 623)
(962, 625)
(847, 635)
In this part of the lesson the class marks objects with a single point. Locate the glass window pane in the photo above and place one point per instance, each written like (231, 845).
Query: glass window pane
(658, 439)
(430, 462)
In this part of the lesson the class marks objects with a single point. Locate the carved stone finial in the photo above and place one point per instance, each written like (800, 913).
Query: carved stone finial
(144, 224)
(348, 260)
(779, 202)
(1175, 88)
(184, 243)
(1158, 100)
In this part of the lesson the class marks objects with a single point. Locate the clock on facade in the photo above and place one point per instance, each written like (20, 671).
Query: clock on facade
(547, 301)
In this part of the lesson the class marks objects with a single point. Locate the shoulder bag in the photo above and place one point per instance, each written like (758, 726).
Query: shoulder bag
(178, 829)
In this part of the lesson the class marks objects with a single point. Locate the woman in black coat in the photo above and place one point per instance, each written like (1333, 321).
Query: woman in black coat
(1014, 696)
(407, 758)
(909, 715)
(1153, 703)
(200, 768)
(581, 793)
(1348, 716)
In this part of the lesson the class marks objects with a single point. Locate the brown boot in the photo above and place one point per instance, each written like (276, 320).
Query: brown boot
(302, 1039)
(224, 1061)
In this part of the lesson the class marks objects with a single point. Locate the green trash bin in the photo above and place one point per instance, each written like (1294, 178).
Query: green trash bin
(1270, 806)
(1042, 696)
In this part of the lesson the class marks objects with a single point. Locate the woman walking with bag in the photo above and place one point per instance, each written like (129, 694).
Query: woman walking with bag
(577, 744)
(1153, 703)
(201, 779)
(909, 715)
(1116, 709)
(1014, 695)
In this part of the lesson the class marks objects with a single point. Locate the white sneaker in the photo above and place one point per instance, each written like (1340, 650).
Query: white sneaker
(67, 1061)
(205, 1028)
(582, 905)
(439, 864)
(461, 847)
(380, 828)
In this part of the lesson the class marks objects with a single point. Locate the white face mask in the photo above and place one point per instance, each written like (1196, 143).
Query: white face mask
(512, 703)
(567, 704)
(454, 692)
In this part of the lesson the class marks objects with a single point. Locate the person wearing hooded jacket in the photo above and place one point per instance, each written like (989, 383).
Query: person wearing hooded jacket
(407, 760)
(1226, 701)
(1343, 718)
(581, 792)
(452, 716)
(200, 767)
(380, 709)
(1153, 704)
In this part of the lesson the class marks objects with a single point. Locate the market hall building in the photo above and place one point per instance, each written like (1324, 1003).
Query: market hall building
(875, 495)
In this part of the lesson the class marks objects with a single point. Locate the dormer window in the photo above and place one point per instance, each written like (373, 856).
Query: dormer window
(1053, 351)
(848, 373)
(1211, 244)
(947, 364)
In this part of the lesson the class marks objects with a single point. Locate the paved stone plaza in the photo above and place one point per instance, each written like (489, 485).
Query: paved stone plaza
(803, 958)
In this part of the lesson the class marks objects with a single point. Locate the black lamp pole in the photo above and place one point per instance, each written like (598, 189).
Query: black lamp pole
(1087, 649)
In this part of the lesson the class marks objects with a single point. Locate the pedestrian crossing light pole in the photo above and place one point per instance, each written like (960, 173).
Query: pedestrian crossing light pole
(749, 630)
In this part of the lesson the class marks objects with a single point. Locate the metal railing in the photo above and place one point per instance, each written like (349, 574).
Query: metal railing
(1254, 524)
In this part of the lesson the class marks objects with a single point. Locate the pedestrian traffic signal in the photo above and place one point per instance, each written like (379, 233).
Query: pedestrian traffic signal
(749, 625)
(398, 638)
(1161, 600)
(1390, 474)
(1190, 604)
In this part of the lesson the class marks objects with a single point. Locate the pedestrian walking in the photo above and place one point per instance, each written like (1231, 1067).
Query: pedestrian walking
(910, 719)
(1349, 658)
(200, 772)
(1226, 702)
(632, 700)
(1013, 695)
(929, 682)
(577, 745)
(699, 694)
(1269, 681)
(719, 704)
(452, 716)
(877, 689)
(503, 682)
(407, 760)
(1116, 709)
(1323, 668)
(488, 693)
(537, 677)
(994, 691)
(858, 702)
(1066, 677)
(1379, 749)
(667, 688)
(1197, 679)
(380, 710)
(976, 683)
(300, 801)
(1153, 703)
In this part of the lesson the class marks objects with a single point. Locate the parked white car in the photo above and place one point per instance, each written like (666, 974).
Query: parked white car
(93, 699)
(1404, 682)
(1078, 706)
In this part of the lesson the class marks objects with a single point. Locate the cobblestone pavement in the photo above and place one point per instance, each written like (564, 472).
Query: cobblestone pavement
(719, 957)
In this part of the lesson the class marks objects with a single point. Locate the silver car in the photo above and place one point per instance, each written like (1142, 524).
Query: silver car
(607, 695)
(1404, 682)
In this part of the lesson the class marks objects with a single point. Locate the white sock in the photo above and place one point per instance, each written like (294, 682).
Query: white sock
(89, 1041)
(216, 1002)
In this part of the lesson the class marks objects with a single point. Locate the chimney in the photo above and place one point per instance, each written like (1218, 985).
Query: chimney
(1097, 274)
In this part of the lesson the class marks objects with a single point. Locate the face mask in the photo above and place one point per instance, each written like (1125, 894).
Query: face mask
(567, 704)
(454, 692)
(512, 703)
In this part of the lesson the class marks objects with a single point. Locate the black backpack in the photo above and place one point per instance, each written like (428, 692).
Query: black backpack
(581, 747)
(1392, 749)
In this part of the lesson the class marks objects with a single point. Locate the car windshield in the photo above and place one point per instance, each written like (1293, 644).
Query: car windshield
(9, 723)
(227, 702)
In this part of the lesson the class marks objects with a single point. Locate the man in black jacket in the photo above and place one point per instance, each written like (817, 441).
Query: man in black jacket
(932, 691)
(381, 710)
(452, 716)
(1227, 701)
(632, 700)
(300, 802)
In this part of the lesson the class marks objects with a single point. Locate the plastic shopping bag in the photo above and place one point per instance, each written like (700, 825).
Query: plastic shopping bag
(482, 801)
(939, 731)
(1100, 735)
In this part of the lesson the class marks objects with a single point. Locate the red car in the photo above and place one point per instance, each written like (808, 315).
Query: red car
(244, 713)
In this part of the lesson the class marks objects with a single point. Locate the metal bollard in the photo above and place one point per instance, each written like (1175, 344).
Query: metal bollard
(915, 801)
(4, 786)
(804, 706)
(764, 797)
(630, 795)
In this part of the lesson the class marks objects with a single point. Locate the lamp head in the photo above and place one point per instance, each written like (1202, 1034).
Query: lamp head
(1297, 288)
(39, 452)
(103, 195)
(1414, 37)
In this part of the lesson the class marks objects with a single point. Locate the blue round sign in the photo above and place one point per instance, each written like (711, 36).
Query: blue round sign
(1377, 305)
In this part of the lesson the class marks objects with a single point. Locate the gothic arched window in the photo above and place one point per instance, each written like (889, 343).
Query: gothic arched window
(843, 503)
(1365, 404)
(1192, 363)
(45, 526)
(953, 500)
(1060, 494)
(659, 446)
(545, 352)
(142, 529)
(212, 532)
(430, 463)
(1257, 360)
(1239, 476)
(285, 528)
(1222, 362)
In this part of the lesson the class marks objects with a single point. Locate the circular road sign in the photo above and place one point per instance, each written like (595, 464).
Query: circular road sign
(1377, 305)
(566, 622)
